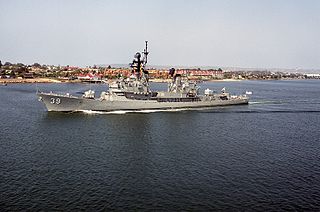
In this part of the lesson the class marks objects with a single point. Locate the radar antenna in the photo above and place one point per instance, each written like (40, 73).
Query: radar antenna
(138, 64)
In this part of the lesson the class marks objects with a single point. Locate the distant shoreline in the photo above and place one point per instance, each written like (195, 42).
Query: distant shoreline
(213, 80)
(50, 80)
(34, 80)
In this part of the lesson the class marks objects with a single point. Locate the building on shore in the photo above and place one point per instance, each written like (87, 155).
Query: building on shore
(312, 76)
(202, 74)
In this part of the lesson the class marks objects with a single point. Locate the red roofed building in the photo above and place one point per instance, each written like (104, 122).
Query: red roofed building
(89, 76)
(209, 74)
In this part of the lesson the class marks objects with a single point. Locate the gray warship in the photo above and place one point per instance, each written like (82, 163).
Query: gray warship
(134, 94)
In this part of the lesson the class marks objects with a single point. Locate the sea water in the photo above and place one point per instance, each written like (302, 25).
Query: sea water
(260, 156)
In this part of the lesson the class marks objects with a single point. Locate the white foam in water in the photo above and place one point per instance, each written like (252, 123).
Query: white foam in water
(252, 103)
(163, 110)
(102, 112)
(92, 112)
(265, 102)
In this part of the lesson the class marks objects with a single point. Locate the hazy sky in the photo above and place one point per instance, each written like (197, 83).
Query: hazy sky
(234, 33)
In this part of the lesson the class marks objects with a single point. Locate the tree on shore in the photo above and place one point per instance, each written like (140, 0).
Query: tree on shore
(36, 65)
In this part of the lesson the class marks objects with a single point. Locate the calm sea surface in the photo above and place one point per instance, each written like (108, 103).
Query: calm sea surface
(257, 157)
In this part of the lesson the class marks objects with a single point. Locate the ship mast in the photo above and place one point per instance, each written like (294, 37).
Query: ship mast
(138, 64)
(145, 52)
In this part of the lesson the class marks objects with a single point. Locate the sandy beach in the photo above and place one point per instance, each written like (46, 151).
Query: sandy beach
(34, 80)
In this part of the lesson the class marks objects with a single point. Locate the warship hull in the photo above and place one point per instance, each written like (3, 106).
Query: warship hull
(66, 103)
(134, 93)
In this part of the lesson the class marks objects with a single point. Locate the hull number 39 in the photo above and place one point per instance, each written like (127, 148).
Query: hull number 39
(55, 101)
